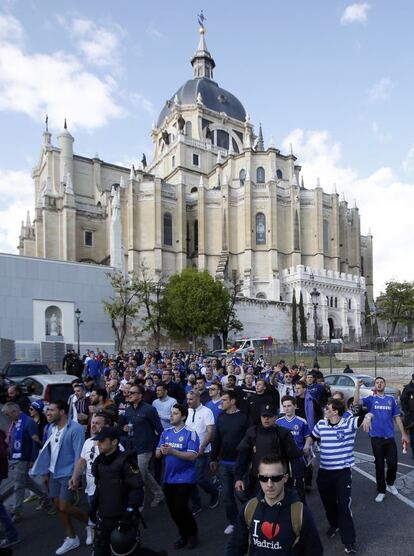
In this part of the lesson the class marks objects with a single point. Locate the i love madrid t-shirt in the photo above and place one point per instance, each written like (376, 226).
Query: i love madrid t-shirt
(384, 409)
(178, 470)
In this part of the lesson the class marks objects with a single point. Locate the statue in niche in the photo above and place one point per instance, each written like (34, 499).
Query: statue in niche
(53, 325)
(181, 124)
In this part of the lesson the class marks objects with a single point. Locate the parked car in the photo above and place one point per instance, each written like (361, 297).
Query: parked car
(407, 340)
(48, 387)
(346, 383)
(15, 371)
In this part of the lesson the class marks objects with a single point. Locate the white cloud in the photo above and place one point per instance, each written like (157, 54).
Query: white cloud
(98, 44)
(10, 29)
(153, 32)
(36, 84)
(381, 136)
(385, 202)
(16, 198)
(381, 90)
(355, 13)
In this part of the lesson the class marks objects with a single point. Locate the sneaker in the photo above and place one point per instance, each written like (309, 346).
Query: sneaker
(214, 501)
(229, 530)
(380, 497)
(6, 543)
(180, 543)
(157, 501)
(68, 544)
(332, 531)
(192, 542)
(393, 489)
(31, 498)
(197, 510)
(350, 549)
(89, 535)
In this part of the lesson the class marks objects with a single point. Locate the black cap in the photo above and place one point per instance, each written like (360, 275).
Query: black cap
(268, 411)
(107, 432)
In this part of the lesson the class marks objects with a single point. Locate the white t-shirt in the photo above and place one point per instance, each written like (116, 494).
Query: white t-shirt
(55, 443)
(198, 420)
(90, 452)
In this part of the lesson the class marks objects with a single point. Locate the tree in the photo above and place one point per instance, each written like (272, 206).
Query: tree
(294, 321)
(124, 305)
(396, 305)
(229, 320)
(302, 321)
(193, 304)
(150, 293)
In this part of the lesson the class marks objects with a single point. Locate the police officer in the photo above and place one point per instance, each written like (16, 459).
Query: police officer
(113, 507)
(260, 440)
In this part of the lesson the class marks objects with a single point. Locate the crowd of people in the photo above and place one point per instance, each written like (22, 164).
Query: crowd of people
(144, 429)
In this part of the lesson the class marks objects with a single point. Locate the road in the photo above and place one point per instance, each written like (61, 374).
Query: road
(382, 529)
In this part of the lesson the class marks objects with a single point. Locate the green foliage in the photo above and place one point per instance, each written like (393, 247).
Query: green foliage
(368, 320)
(150, 293)
(124, 305)
(396, 305)
(229, 320)
(194, 304)
(294, 321)
(302, 321)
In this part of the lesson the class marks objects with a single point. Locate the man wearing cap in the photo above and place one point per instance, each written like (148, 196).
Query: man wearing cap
(110, 505)
(260, 440)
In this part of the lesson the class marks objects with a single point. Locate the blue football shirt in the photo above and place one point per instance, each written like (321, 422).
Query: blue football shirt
(178, 470)
(215, 408)
(384, 409)
(297, 426)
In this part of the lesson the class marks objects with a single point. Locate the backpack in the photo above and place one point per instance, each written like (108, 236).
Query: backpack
(296, 516)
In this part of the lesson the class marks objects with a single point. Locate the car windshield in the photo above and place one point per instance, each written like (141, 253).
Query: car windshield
(26, 370)
(238, 344)
(368, 381)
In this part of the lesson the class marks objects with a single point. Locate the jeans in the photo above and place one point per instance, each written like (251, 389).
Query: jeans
(150, 482)
(226, 474)
(19, 474)
(201, 467)
(385, 450)
(178, 496)
(335, 492)
(5, 520)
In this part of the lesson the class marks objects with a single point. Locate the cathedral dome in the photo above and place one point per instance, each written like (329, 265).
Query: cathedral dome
(212, 96)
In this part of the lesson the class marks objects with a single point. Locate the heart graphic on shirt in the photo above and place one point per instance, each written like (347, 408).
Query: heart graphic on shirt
(270, 530)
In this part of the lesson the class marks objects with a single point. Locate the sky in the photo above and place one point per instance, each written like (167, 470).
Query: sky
(331, 77)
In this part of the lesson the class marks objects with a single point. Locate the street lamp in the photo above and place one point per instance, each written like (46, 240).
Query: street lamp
(78, 323)
(315, 301)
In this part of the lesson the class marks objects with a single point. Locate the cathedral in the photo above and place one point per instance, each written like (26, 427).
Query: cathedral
(214, 196)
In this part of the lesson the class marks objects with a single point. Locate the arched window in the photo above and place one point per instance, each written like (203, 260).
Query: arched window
(260, 229)
(242, 175)
(261, 295)
(279, 174)
(188, 129)
(336, 303)
(296, 242)
(331, 301)
(168, 229)
(196, 236)
(193, 190)
(260, 175)
(325, 237)
(349, 304)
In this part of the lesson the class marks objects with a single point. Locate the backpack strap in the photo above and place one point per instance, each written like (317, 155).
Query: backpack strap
(296, 516)
(249, 510)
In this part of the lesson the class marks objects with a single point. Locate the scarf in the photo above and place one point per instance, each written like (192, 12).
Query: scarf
(16, 436)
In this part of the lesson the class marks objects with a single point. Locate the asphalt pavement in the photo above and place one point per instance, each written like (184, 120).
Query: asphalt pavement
(385, 529)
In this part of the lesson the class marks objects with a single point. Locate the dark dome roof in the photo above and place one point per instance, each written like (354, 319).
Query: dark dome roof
(214, 97)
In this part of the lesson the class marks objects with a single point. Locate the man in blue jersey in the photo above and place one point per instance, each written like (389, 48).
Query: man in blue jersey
(336, 436)
(214, 404)
(179, 445)
(385, 411)
(300, 431)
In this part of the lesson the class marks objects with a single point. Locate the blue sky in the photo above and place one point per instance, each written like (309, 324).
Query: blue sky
(331, 77)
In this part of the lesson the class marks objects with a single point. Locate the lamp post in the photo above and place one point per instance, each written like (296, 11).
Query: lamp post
(315, 301)
(78, 323)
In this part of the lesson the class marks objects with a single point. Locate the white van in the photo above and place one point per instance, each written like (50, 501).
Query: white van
(251, 345)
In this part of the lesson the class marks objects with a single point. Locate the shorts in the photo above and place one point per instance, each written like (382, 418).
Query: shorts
(58, 488)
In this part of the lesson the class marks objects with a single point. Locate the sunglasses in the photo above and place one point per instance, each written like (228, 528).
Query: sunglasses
(273, 478)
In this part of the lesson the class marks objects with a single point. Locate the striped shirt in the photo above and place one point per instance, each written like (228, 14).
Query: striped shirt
(336, 442)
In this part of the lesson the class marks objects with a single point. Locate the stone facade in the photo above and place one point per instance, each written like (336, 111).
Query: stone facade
(213, 197)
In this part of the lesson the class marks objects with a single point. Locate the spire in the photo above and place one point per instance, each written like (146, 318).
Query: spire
(28, 222)
(260, 141)
(65, 125)
(302, 183)
(202, 62)
(132, 173)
